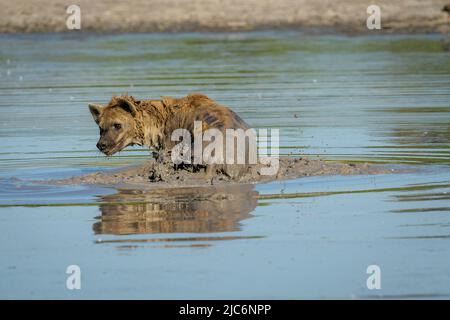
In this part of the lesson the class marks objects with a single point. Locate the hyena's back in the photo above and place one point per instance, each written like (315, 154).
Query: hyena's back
(198, 107)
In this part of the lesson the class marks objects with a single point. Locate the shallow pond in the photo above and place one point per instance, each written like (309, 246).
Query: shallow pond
(383, 99)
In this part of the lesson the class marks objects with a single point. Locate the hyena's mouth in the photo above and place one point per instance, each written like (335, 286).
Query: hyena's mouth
(116, 148)
(111, 151)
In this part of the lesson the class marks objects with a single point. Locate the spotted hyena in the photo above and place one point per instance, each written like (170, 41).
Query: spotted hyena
(127, 121)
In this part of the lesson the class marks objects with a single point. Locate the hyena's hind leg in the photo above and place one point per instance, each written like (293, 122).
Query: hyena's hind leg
(235, 171)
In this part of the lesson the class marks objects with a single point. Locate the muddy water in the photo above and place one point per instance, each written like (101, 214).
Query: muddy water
(377, 99)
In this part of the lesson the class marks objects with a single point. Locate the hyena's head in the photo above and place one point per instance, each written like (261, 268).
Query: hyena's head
(117, 124)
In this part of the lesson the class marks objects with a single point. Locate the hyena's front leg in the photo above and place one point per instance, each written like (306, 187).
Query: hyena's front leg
(162, 156)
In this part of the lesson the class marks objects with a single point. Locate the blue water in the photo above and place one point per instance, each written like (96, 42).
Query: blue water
(381, 99)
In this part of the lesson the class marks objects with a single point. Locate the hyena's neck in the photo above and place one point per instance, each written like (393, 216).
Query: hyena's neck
(150, 124)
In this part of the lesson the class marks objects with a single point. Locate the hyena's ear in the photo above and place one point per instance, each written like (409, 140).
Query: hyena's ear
(127, 105)
(96, 111)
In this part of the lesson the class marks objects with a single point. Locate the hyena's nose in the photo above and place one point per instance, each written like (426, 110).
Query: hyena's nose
(101, 146)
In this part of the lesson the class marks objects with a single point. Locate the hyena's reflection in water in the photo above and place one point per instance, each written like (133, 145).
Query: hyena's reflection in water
(180, 210)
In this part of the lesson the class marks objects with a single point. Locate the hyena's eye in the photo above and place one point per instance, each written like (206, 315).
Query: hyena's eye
(117, 126)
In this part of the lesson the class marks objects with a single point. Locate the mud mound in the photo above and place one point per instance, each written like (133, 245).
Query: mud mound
(155, 173)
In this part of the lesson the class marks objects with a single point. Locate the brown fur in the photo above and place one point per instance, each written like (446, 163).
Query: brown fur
(151, 122)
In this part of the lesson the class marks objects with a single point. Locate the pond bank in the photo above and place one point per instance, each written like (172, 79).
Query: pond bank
(411, 16)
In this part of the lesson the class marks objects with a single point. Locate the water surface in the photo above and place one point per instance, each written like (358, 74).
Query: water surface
(381, 99)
